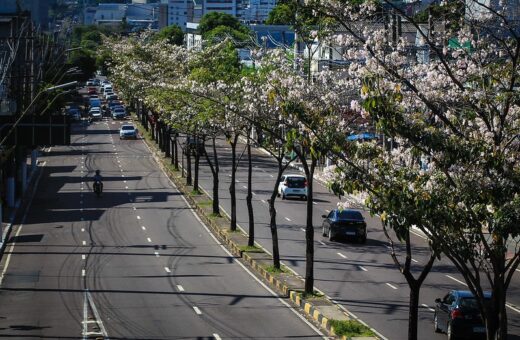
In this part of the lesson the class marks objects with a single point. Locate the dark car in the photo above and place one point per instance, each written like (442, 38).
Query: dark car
(345, 223)
(457, 315)
(194, 145)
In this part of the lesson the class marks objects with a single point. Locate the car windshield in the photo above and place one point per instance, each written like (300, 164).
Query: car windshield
(350, 215)
(127, 128)
(296, 182)
(471, 303)
(119, 110)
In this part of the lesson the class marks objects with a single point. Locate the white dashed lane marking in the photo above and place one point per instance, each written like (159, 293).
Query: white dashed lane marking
(428, 307)
(216, 336)
(83, 272)
(83, 257)
(456, 280)
(143, 227)
(180, 288)
(363, 268)
(84, 243)
(343, 256)
(288, 219)
(156, 254)
(138, 217)
(167, 269)
(197, 310)
(149, 240)
(322, 243)
(391, 286)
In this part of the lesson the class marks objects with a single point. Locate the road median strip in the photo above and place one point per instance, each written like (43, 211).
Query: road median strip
(322, 310)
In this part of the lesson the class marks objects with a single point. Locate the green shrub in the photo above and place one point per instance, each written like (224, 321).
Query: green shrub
(350, 328)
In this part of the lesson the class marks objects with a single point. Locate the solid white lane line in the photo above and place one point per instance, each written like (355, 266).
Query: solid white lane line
(343, 256)
(83, 272)
(391, 286)
(456, 280)
(322, 243)
(180, 288)
(138, 217)
(363, 268)
(167, 269)
(84, 243)
(428, 307)
(149, 240)
(156, 253)
(83, 257)
(215, 335)
(197, 310)
(288, 219)
(143, 227)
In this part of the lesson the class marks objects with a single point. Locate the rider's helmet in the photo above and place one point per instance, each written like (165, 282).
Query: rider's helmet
(97, 172)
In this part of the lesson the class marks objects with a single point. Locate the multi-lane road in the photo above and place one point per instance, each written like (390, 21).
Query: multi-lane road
(135, 263)
(361, 278)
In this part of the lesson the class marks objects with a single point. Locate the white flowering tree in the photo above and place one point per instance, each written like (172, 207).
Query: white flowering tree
(451, 110)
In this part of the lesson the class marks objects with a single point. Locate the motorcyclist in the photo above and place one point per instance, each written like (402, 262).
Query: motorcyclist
(98, 179)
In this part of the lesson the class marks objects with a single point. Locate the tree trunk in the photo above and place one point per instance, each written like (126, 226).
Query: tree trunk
(188, 165)
(215, 173)
(166, 142)
(497, 320)
(413, 310)
(232, 190)
(196, 180)
(249, 197)
(309, 228)
(176, 153)
(172, 148)
(272, 215)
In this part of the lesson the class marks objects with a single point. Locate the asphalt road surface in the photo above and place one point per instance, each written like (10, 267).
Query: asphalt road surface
(362, 278)
(135, 263)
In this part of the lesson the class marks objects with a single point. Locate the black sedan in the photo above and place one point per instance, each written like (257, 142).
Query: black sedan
(345, 223)
(457, 315)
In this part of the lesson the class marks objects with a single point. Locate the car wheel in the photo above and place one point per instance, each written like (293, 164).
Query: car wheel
(436, 324)
(283, 196)
(362, 239)
(330, 234)
(304, 198)
(324, 232)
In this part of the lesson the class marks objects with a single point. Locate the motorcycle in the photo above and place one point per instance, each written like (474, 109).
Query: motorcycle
(97, 188)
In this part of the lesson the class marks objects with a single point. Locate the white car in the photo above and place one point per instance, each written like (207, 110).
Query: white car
(95, 113)
(292, 186)
(127, 131)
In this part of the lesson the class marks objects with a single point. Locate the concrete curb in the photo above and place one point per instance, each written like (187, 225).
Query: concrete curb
(322, 311)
